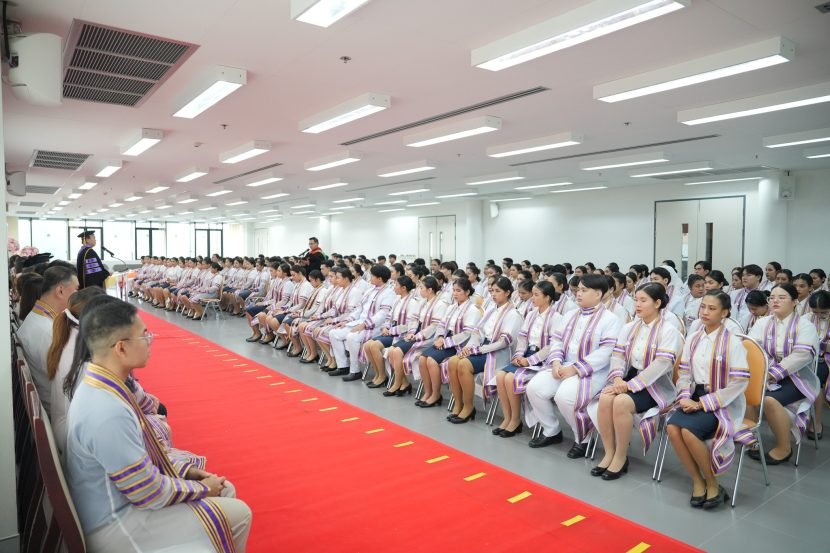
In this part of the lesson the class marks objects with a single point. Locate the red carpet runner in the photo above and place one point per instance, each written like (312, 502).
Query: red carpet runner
(323, 475)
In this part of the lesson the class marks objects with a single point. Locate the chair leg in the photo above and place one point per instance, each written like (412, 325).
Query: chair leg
(659, 452)
(594, 449)
(798, 451)
(537, 431)
(451, 403)
(491, 412)
(420, 391)
(663, 458)
(738, 475)
(761, 451)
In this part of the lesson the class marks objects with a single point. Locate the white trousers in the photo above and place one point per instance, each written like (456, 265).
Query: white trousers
(174, 528)
(342, 340)
(544, 388)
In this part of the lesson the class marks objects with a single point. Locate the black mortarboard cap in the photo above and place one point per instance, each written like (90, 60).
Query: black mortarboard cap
(33, 260)
(86, 234)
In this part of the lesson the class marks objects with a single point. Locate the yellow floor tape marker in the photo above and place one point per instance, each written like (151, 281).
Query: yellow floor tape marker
(475, 476)
(639, 548)
(230, 359)
(241, 365)
(221, 355)
(265, 376)
(328, 409)
(349, 419)
(437, 459)
(375, 431)
(403, 444)
(306, 400)
(277, 384)
(572, 521)
(249, 370)
(517, 498)
(211, 350)
(293, 391)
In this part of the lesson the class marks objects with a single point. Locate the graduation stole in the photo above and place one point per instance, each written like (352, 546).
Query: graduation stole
(587, 337)
(490, 359)
(823, 337)
(208, 512)
(341, 308)
(428, 309)
(310, 302)
(404, 304)
(459, 322)
(42, 308)
(770, 340)
(374, 306)
(651, 341)
(719, 365)
(546, 336)
(560, 304)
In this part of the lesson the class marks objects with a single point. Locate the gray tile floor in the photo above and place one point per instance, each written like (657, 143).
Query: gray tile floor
(789, 515)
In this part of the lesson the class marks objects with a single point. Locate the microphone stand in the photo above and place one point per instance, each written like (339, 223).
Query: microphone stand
(120, 283)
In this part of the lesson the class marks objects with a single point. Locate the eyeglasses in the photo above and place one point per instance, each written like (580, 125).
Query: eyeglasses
(148, 336)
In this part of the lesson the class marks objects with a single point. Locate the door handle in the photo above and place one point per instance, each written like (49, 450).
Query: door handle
(430, 244)
(441, 245)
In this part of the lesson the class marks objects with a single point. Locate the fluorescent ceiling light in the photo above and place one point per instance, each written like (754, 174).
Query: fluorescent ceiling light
(188, 200)
(236, 202)
(723, 64)
(185, 213)
(74, 195)
(391, 210)
(114, 204)
(342, 158)
(405, 192)
(219, 193)
(268, 211)
(499, 200)
(721, 180)
(424, 204)
(157, 189)
(673, 169)
(131, 198)
(145, 211)
(265, 178)
(333, 213)
(624, 161)
(302, 206)
(535, 145)
(211, 88)
(323, 12)
(141, 142)
(497, 177)
(163, 206)
(64, 202)
(342, 207)
(88, 185)
(458, 195)
(356, 108)
(798, 138)
(578, 189)
(305, 212)
(208, 208)
(391, 202)
(57, 209)
(582, 24)
(328, 184)
(406, 169)
(765, 103)
(453, 131)
(347, 200)
(816, 153)
(245, 151)
(102, 210)
(192, 174)
(547, 185)
(109, 168)
(276, 195)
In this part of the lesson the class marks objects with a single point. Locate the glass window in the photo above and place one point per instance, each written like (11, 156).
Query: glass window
(24, 232)
(179, 239)
(119, 236)
(52, 236)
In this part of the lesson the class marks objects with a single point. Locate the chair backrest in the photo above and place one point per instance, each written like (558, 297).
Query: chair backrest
(54, 481)
(676, 372)
(758, 369)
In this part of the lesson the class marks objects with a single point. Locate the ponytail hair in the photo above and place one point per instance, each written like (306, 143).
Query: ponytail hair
(431, 283)
(465, 285)
(723, 298)
(820, 299)
(656, 292)
(30, 286)
(62, 325)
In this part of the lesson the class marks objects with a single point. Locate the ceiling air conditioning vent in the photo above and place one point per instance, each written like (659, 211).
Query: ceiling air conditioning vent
(48, 159)
(32, 204)
(50, 190)
(116, 66)
(712, 173)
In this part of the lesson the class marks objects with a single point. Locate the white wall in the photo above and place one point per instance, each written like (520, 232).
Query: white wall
(616, 224)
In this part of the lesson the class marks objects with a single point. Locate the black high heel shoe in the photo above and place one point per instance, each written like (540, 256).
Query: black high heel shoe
(462, 420)
(611, 475)
(505, 433)
(713, 502)
(390, 393)
(697, 501)
(435, 403)
(404, 391)
(598, 471)
(373, 385)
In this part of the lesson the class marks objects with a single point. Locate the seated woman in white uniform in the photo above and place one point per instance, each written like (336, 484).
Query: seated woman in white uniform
(402, 320)
(113, 458)
(791, 342)
(697, 287)
(577, 368)
(757, 303)
(621, 295)
(489, 347)
(803, 286)
(715, 280)
(532, 348)
(710, 388)
(404, 353)
(564, 303)
(820, 317)
(819, 279)
(677, 301)
(639, 380)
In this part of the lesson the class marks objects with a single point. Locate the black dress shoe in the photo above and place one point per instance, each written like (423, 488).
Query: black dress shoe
(419, 403)
(253, 338)
(544, 441)
(496, 431)
(435, 403)
(452, 416)
(373, 385)
(611, 475)
(505, 433)
(339, 372)
(697, 501)
(811, 435)
(598, 471)
(307, 361)
(577, 451)
(720, 498)
(281, 347)
(390, 393)
(404, 391)
(463, 420)
(352, 377)
(770, 460)
(289, 354)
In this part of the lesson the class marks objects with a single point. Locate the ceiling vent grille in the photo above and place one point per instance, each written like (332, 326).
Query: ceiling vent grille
(49, 190)
(25, 213)
(447, 115)
(32, 204)
(712, 173)
(115, 66)
(246, 173)
(48, 159)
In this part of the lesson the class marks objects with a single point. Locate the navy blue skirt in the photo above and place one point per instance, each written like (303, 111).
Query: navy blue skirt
(511, 368)
(386, 341)
(642, 399)
(787, 393)
(822, 373)
(404, 345)
(254, 310)
(700, 423)
(439, 355)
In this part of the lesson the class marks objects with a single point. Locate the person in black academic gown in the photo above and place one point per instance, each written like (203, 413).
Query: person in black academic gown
(91, 271)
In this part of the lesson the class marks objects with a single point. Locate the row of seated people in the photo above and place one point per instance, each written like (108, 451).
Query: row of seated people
(131, 487)
(604, 354)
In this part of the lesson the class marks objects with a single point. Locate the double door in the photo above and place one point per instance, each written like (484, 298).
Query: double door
(209, 242)
(436, 238)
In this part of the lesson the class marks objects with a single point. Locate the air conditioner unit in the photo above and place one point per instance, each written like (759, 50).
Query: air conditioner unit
(16, 183)
(36, 77)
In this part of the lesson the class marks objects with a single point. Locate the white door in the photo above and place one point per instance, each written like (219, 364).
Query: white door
(445, 227)
(261, 240)
(687, 231)
(427, 237)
